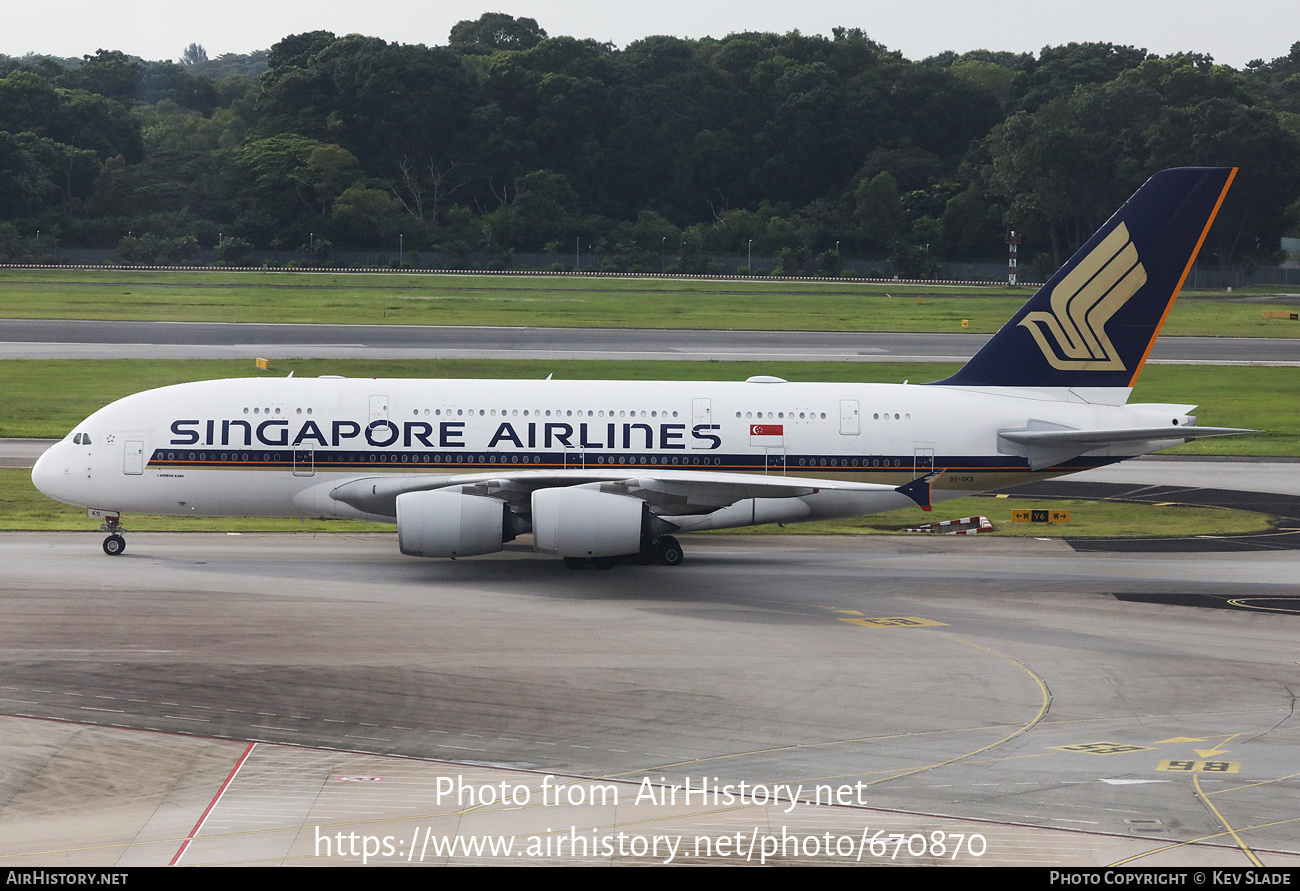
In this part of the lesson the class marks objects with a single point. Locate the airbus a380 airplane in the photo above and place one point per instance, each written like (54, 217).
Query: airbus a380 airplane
(601, 471)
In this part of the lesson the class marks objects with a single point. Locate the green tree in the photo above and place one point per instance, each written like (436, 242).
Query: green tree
(73, 117)
(497, 31)
(194, 54)
(1048, 174)
(25, 185)
(297, 173)
(1260, 206)
(233, 250)
(879, 211)
(1058, 70)
(297, 51)
(367, 217)
(544, 209)
(109, 73)
(382, 102)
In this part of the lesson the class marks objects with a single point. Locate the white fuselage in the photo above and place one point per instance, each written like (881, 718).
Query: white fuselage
(278, 447)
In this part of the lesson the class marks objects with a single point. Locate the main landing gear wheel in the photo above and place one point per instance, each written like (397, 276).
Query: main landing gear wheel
(575, 562)
(114, 545)
(668, 551)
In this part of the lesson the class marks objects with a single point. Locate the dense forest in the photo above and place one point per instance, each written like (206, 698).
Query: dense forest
(506, 140)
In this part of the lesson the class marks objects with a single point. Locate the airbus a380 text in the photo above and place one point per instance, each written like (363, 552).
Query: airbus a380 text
(603, 471)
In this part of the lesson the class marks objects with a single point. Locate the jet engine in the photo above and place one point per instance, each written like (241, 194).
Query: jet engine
(587, 523)
(445, 523)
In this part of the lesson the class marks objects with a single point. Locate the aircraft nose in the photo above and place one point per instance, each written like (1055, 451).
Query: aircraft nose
(50, 472)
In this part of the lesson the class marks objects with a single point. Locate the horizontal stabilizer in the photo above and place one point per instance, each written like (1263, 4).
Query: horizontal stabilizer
(1047, 448)
(1094, 438)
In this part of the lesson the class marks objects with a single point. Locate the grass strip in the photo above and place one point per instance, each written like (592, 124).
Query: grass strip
(557, 301)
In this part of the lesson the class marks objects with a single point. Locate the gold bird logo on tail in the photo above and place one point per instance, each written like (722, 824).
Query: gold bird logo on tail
(1084, 302)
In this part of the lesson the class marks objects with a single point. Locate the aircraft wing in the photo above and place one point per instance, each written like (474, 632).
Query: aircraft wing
(667, 492)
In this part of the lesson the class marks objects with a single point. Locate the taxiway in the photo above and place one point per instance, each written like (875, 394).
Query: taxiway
(91, 339)
(1009, 683)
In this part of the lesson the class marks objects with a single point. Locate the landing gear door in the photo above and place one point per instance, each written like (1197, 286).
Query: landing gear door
(133, 457)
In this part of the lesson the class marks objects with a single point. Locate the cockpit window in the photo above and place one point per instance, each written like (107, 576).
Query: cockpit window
(82, 439)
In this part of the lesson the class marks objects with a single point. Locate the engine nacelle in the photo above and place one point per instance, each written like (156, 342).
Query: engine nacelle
(452, 524)
(587, 523)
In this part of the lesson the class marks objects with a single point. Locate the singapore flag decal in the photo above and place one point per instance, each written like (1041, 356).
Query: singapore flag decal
(766, 434)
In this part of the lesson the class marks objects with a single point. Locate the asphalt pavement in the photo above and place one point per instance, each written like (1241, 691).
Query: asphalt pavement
(92, 339)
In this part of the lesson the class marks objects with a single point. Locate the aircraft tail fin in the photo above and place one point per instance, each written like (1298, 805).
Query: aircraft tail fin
(1093, 324)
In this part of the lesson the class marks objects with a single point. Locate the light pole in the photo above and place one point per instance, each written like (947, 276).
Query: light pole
(400, 245)
(750, 261)
(663, 247)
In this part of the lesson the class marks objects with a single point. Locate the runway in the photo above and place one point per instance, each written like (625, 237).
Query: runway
(79, 339)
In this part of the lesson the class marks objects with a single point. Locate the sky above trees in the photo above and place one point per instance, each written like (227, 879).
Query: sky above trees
(160, 29)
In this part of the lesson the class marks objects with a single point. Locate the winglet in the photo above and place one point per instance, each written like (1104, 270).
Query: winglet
(919, 489)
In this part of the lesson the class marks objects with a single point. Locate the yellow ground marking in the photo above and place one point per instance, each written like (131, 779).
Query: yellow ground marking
(1180, 739)
(1217, 750)
(1197, 841)
(1200, 766)
(1009, 758)
(1250, 855)
(896, 622)
(1103, 748)
(1022, 729)
(1253, 785)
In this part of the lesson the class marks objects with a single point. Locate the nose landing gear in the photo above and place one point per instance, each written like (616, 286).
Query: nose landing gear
(115, 544)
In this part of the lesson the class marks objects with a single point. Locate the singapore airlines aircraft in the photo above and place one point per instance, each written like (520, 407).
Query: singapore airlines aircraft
(605, 471)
